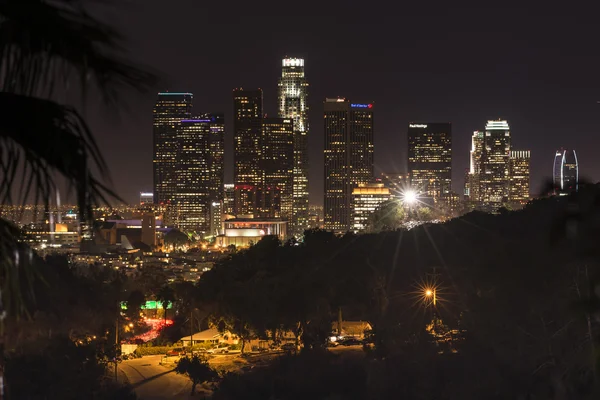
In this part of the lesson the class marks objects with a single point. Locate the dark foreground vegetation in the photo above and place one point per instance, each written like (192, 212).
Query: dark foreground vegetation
(516, 314)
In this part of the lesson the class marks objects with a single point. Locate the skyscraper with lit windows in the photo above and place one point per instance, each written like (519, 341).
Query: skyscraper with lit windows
(430, 159)
(277, 164)
(472, 191)
(169, 110)
(247, 138)
(494, 177)
(566, 172)
(519, 176)
(199, 171)
(349, 129)
(293, 104)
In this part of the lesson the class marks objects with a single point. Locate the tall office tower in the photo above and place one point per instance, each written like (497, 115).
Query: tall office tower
(293, 104)
(192, 197)
(566, 172)
(472, 192)
(494, 173)
(348, 158)
(430, 159)
(366, 198)
(277, 163)
(519, 176)
(216, 218)
(229, 199)
(216, 152)
(247, 135)
(170, 108)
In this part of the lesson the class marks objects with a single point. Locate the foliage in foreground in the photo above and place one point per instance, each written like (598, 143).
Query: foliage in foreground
(62, 370)
(197, 369)
(519, 288)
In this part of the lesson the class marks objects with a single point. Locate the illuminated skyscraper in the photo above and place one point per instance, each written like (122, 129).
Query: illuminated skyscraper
(472, 177)
(229, 199)
(199, 171)
(566, 172)
(366, 198)
(293, 104)
(519, 176)
(430, 158)
(348, 158)
(247, 135)
(494, 174)
(216, 145)
(277, 163)
(170, 108)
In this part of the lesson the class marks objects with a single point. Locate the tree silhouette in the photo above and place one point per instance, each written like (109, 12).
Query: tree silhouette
(197, 370)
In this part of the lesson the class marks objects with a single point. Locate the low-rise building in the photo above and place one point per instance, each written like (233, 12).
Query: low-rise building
(242, 232)
(366, 198)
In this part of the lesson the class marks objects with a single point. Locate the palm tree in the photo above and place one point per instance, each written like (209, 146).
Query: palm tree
(45, 48)
(166, 296)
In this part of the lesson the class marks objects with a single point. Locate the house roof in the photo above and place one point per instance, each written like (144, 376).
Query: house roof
(208, 334)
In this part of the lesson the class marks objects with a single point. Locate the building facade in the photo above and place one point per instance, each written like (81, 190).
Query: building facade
(520, 161)
(169, 110)
(566, 172)
(247, 135)
(229, 199)
(494, 177)
(430, 159)
(146, 198)
(472, 178)
(349, 129)
(277, 165)
(396, 182)
(293, 104)
(199, 171)
(366, 198)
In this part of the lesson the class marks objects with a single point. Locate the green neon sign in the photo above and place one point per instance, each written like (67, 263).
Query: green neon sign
(150, 305)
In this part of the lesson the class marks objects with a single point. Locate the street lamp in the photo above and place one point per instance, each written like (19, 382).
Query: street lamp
(410, 197)
(431, 293)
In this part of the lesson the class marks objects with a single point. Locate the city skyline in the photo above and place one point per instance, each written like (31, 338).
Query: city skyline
(549, 112)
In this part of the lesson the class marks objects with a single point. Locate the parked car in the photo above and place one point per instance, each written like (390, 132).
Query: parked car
(220, 349)
(177, 351)
(350, 342)
(288, 347)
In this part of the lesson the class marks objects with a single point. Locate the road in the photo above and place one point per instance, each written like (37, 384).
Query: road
(152, 381)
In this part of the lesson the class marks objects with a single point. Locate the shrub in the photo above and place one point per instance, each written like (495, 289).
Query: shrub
(152, 350)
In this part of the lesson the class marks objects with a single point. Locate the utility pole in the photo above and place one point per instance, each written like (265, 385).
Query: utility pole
(116, 347)
(191, 330)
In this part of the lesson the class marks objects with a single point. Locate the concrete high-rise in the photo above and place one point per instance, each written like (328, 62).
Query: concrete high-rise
(519, 177)
(494, 174)
(472, 177)
(566, 172)
(199, 171)
(349, 129)
(430, 159)
(170, 108)
(277, 164)
(247, 138)
(229, 199)
(293, 104)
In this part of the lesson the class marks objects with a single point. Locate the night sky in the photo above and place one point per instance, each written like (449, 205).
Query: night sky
(539, 68)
